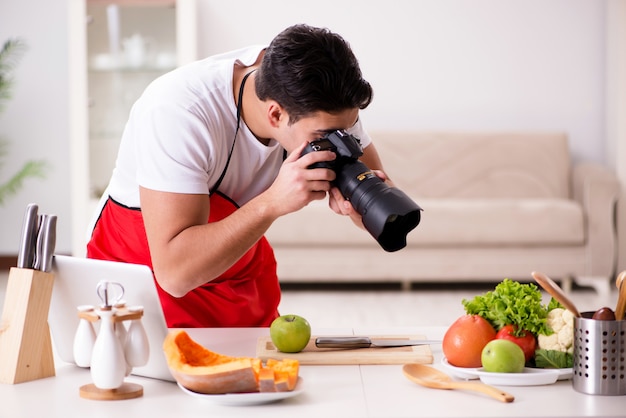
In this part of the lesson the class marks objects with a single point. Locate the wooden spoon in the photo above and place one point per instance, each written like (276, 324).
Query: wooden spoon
(433, 378)
(621, 296)
(556, 292)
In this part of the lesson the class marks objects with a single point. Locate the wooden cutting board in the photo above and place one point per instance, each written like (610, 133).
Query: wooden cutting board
(265, 349)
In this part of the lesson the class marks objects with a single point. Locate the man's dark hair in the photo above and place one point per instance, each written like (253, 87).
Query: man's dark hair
(307, 69)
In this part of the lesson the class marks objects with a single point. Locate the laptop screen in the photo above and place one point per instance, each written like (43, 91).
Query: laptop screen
(75, 283)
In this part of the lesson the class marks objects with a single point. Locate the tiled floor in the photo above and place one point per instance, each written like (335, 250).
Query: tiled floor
(379, 307)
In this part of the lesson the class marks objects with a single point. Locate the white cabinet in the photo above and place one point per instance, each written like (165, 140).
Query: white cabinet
(129, 44)
(124, 45)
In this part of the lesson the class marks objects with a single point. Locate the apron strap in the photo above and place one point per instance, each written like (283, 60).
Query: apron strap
(232, 147)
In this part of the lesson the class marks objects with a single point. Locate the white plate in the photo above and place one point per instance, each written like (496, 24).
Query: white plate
(467, 373)
(244, 399)
(470, 373)
(565, 374)
(529, 377)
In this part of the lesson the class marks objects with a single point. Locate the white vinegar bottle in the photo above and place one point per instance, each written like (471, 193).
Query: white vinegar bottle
(121, 333)
(137, 347)
(84, 339)
(108, 365)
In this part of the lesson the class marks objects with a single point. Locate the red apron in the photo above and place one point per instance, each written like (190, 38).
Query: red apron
(246, 295)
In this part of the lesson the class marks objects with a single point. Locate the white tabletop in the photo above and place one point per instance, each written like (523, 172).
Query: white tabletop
(328, 391)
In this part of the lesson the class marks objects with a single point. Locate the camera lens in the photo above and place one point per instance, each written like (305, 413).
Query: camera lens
(388, 213)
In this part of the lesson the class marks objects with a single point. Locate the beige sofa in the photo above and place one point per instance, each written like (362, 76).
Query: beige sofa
(495, 205)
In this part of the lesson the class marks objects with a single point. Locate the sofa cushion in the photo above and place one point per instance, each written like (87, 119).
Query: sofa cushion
(499, 222)
(446, 222)
(477, 165)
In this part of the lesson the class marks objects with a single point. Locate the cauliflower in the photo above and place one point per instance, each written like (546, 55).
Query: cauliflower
(561, 322)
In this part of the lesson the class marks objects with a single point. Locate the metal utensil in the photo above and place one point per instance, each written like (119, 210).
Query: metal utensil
(621, 296)
(110, 293)
(366, 342)
(556, 292)
(26, 251)
(47, 243)
(432, 378)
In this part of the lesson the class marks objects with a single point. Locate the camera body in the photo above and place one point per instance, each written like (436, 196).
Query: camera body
(346, 147)
(388, 213)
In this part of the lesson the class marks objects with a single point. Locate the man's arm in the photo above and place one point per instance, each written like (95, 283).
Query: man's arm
(187, 251)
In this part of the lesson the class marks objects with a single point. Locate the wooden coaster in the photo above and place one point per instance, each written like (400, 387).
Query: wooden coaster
(126, 391)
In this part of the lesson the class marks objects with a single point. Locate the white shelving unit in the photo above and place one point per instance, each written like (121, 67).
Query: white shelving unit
(127, 44)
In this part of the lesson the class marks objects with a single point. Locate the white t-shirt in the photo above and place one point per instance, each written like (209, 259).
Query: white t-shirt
(180, 132)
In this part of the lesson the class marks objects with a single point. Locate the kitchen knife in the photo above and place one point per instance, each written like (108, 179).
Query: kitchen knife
(366, 342)
(26, 251)
(46, 241)
(49, 243)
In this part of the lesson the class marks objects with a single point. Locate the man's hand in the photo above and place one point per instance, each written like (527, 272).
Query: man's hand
(297, 185)
(341, 206)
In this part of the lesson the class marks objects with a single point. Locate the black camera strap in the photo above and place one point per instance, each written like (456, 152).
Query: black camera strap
(232, 147)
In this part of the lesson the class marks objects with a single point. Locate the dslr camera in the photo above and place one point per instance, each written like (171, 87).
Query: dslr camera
(388, 213)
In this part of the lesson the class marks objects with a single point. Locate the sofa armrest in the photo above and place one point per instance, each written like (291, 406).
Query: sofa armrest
(596, 188)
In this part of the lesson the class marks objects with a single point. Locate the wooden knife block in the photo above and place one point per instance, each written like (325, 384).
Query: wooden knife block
(25, 343)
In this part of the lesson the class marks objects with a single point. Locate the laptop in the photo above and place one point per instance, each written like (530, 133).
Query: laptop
(75, 282)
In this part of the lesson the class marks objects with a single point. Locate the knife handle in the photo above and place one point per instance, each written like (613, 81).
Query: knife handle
(26, 252)
(48, 244)
(343, 342)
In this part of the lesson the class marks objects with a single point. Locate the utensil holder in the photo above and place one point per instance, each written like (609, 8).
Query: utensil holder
(599, 356)
(25, 343)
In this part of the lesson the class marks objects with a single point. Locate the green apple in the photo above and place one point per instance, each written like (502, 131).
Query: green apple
(290, 333)
(502, 356)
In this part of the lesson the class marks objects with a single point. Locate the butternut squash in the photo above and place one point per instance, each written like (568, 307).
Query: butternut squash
(285, 373)
(204, 371)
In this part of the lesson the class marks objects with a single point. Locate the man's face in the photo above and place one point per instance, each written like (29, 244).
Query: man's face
(314, 127)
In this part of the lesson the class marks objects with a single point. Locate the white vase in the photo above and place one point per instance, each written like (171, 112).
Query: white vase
(108, 365)
(137, 347)
(84, 339)
(121, 333)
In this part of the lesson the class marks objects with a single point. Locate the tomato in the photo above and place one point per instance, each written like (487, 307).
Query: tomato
(527, 342)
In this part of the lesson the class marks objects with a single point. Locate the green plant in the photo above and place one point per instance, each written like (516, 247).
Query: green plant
(10, 54)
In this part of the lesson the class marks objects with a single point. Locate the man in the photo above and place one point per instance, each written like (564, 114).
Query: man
(220, 140)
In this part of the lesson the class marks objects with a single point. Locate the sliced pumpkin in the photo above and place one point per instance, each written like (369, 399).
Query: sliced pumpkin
(266, 380)
(279, 375)
(285, 373)
(204, 371)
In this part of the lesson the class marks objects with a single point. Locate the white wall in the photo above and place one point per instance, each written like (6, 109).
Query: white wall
(36, 120)
(452, 64)
(616, 109)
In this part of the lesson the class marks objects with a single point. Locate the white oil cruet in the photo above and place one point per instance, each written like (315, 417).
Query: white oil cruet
(137, 348)
(84, 339)
(108, 364)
